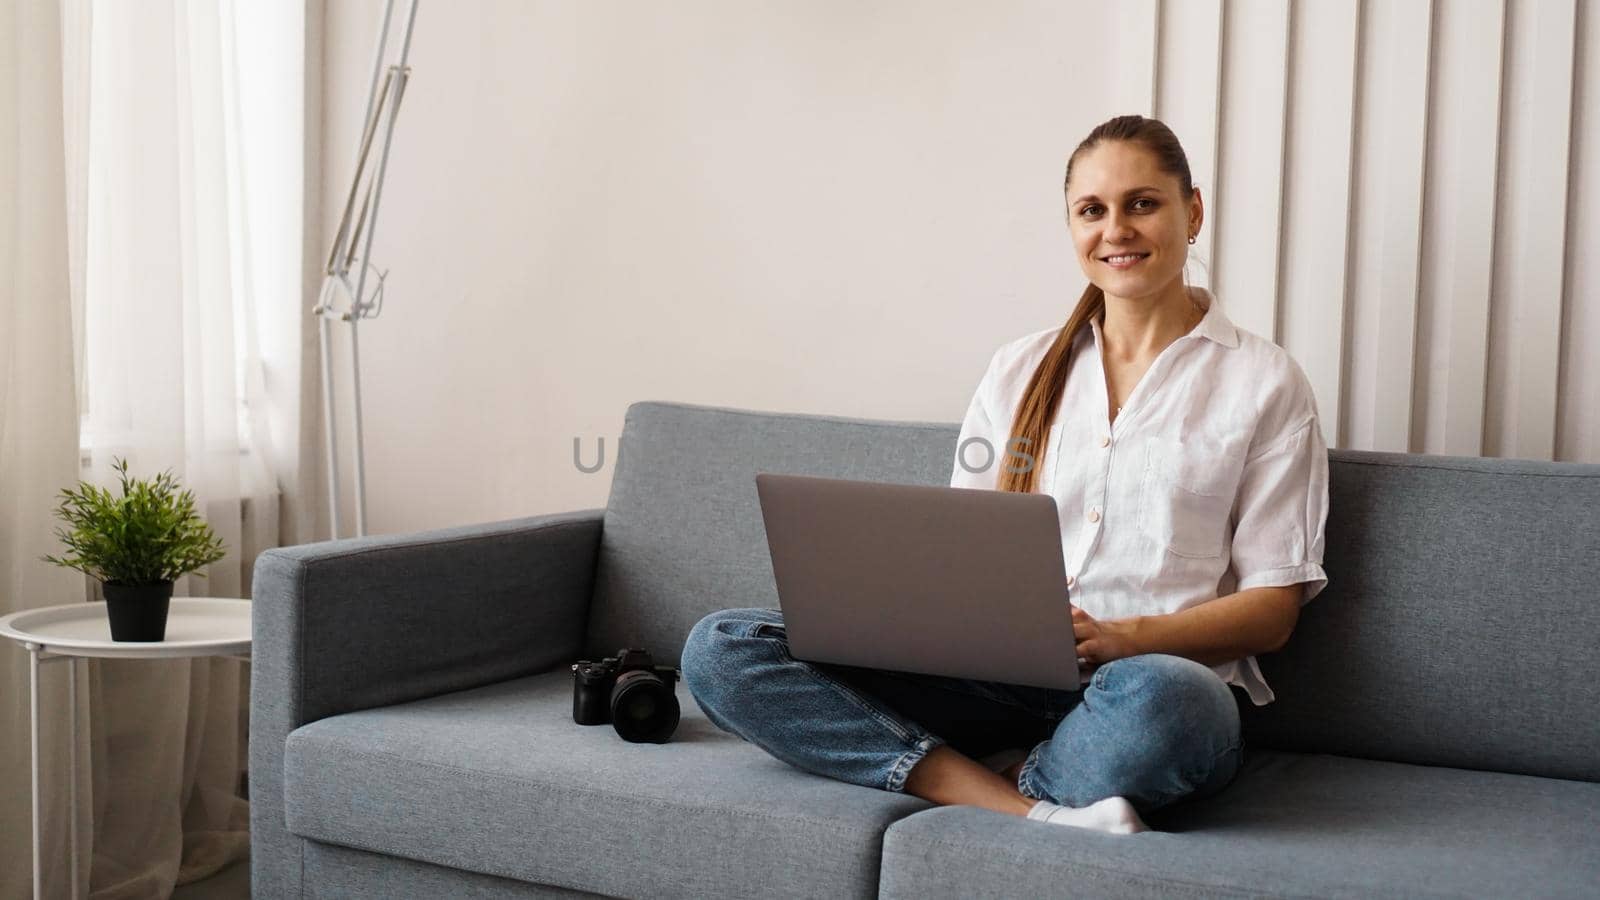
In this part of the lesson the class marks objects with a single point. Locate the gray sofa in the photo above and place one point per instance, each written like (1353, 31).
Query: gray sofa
(1437, 728)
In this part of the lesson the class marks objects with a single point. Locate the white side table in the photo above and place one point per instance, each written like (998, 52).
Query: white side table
(196, 626)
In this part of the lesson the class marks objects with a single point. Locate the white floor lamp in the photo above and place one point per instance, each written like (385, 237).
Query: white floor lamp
(348, 297)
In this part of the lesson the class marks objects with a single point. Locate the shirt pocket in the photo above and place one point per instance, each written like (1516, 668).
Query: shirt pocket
(1187, 493)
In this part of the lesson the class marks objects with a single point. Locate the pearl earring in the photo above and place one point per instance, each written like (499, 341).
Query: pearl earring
(1191, 239)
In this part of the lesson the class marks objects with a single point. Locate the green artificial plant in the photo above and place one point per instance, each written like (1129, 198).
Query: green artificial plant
(149, 535)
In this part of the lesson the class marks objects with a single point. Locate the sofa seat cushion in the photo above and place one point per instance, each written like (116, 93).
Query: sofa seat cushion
(499, 780)
(1289, 825)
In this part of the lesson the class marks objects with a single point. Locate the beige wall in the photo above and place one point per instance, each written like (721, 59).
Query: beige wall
(844, 207)
(829, 207)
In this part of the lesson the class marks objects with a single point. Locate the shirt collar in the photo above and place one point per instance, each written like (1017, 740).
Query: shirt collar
(1215, 326)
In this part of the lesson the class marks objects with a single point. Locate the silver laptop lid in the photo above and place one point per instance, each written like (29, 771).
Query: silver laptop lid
(943, 581)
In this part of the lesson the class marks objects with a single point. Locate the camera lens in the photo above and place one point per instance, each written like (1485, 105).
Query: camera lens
(643, 708)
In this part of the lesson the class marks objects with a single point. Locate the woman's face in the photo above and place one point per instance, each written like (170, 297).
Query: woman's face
(1130, 223)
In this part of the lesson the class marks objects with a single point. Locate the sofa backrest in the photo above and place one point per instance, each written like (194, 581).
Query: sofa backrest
(1461, 621)
(683, 534)
(1458, 626)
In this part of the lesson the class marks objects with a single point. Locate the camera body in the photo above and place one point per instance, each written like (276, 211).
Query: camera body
(628, 691)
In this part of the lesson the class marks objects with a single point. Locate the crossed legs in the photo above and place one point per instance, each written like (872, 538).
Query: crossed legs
(1154, 728)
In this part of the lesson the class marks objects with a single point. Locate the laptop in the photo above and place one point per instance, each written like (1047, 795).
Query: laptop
(935, 580)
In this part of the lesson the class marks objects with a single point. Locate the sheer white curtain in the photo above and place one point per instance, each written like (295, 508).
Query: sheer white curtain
(170, 346)
(130, 263)
(171, 378)
(38, 417)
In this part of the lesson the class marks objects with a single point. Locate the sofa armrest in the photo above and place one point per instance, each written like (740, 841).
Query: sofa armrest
(377, 621)
(347, 625)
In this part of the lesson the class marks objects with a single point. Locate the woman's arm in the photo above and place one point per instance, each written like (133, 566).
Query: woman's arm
(1253, 621)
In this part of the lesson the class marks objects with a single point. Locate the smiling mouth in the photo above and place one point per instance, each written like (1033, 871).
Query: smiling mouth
(1123, 260)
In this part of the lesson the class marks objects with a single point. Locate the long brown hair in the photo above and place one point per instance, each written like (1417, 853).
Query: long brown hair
(1030, 425)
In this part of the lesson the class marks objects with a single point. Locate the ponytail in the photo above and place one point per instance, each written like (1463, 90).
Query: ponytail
(1040, 400)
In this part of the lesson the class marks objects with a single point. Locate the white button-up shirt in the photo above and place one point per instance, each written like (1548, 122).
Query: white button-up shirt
(1213, 479)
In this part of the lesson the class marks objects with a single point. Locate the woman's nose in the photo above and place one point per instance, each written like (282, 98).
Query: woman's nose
(1118, 227)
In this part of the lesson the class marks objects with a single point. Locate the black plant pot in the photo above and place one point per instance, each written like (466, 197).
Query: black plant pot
(138, 612)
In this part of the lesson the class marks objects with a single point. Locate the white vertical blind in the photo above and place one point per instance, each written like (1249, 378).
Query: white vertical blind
(1578, 409)
(1316, 221)
(1386, 223)
(1530, 236)
(1188, 99)
(1405, 194)
(1136, 25)
(1255, 67)
(1458, 247)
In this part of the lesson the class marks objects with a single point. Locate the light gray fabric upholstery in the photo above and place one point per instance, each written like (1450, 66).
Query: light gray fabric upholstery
(341, 873)
(683, 533)
(499, 781)
(345, 625)
(1459, 623)
(1291, 825)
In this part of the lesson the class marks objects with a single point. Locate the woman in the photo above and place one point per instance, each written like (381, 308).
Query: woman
(1188, 464)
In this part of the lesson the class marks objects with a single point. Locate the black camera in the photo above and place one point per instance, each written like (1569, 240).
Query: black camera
(629, 691)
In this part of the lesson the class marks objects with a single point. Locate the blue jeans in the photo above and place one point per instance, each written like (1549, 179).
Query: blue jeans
(1152, 728)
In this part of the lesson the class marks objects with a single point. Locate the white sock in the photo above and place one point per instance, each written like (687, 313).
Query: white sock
(1113, 814)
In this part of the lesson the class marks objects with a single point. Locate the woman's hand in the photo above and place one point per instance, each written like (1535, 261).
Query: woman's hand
(1100, 642)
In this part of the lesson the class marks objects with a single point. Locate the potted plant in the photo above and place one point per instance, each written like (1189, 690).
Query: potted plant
(136, 545)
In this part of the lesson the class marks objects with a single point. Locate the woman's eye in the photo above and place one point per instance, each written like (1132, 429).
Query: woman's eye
(1148, 204)
(1089, 211)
